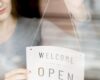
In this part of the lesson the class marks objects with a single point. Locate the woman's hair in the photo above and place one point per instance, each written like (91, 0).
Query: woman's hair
(28, 8)
(14, 11)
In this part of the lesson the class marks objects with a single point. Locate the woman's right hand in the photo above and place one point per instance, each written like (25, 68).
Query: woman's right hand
(18, 74)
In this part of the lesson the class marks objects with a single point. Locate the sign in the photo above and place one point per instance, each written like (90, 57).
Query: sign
(54, 63)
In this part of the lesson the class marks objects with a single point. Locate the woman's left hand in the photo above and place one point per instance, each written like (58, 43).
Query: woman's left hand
(17, 74)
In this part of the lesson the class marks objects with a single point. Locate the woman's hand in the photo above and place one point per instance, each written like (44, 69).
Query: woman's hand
(18, 74)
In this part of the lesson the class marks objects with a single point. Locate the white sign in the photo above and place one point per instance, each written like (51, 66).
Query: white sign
(54, 63)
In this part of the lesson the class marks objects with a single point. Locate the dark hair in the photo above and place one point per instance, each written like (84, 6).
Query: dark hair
(35, 7)
(14, 11)
(28, 8)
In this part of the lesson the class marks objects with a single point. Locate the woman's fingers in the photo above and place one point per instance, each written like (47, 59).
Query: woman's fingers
(17, 77)
(16, 74)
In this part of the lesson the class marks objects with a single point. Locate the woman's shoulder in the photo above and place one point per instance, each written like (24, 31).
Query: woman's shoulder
(25, 20)
(33, 21)
(28, 23)
(28, 29)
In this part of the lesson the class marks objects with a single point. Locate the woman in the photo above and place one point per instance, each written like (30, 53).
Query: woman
(16, 33)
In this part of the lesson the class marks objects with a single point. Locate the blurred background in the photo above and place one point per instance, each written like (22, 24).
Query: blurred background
(84, 36)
